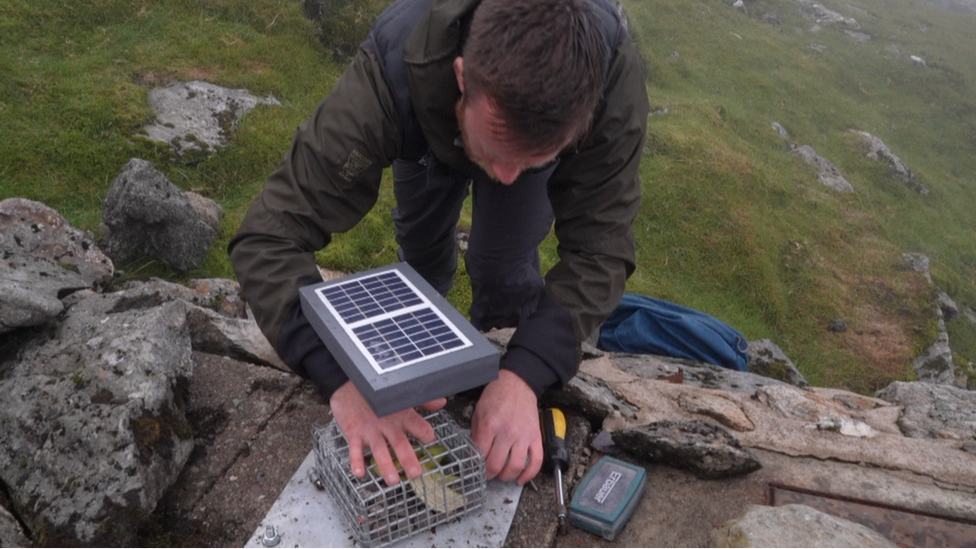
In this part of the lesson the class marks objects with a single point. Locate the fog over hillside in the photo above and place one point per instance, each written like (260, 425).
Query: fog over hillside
(962, 6)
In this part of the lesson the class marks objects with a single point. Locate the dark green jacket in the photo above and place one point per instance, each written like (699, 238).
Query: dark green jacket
(330, 178)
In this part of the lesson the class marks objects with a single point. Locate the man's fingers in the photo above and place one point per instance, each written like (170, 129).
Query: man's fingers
(496, 459)
(436, 404)
(384, 462)
(418, 427)
(356, 462)
(514, 465)
(534, 464)
(407, 457)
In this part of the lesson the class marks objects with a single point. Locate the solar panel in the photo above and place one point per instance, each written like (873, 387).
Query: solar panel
(397, 339)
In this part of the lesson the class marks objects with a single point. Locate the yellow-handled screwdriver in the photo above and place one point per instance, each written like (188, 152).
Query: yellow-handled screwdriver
(556, 456)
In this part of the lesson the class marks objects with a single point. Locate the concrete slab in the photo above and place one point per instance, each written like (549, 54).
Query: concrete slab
(305, 516)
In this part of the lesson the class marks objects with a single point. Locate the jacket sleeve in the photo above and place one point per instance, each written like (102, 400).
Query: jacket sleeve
(595, 194)
(328, 180)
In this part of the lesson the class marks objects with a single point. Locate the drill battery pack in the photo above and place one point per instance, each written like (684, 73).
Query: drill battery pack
(607, 497)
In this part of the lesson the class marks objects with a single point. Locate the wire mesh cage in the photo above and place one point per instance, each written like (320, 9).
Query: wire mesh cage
(452, 485)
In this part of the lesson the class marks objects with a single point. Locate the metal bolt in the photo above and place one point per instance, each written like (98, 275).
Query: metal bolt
(271, 537)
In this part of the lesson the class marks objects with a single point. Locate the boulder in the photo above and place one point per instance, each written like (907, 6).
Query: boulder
(11, 534)
(145, 214)
(719, 408)
(217, 294)
(93, 416)
(794, 526)
(948, 307)
(30, 227)
(767, 359)
(933, 411)
(219, 321)
(209, 211)
(690, 372)
(780, 130)
(701, 447)
(919, 263)
(794, 403)
(31, 289)
(827, 173)
(936, 365)
(826, 17)
(196, 118)
(591, 396)
(879, 152)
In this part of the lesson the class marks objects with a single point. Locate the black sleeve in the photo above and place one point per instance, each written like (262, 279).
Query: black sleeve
(543, 350)
(303, 351)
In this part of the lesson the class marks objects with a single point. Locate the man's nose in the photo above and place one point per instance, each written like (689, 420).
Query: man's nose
(506, 173)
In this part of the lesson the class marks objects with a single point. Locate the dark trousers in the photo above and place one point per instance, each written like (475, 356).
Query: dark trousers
(508, 223)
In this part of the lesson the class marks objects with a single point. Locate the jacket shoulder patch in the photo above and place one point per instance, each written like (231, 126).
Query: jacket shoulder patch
(356, 163)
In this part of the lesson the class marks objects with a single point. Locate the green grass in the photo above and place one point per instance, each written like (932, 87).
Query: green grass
(732, 223)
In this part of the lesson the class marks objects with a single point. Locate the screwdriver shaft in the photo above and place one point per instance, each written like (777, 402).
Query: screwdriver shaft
(561, 502)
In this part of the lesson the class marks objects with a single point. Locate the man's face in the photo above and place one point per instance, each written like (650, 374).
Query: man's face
(485, 144)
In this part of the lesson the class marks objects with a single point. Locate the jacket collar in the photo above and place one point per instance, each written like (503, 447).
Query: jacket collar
(429, 53)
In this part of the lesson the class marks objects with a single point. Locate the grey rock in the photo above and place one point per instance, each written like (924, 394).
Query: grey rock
(892, 50)
(948, 307)
(93, 415)
(794, 526)
(837, 325)
(857, 36)
(933, 411)
(31, 288)
(588, 351)
(827, 173)
(196, 118)
(721, 409)
(880, 152)
(795, 403)
(592, 397)
(970, 314)
(240, 339)
(767, 359)
(218, 321)
(826, 17)
(705, 449)
(31, 227)
(919, 263)
(691, 372)
(936, 365)
(11, 534)
(770, 18)
(144, 213)
(209, 211)
(780, 130)
(819, 48)
(603, 442)
(217, 294)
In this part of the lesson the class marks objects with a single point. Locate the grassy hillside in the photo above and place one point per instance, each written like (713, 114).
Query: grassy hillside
(732, 222)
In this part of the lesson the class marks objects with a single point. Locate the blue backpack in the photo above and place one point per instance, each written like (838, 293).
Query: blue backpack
(645, 325)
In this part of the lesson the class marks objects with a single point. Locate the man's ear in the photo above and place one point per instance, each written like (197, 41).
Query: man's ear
(459, 72)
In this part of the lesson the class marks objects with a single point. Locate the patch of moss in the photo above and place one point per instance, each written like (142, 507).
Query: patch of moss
(157, 434)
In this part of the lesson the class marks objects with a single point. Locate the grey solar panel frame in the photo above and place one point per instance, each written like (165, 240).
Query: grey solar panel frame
(419, 381)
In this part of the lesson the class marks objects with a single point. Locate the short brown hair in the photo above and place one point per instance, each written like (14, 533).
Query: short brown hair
(542, 64)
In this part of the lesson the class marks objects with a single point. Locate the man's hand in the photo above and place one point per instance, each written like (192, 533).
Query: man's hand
(363, 429)
(505, 427)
